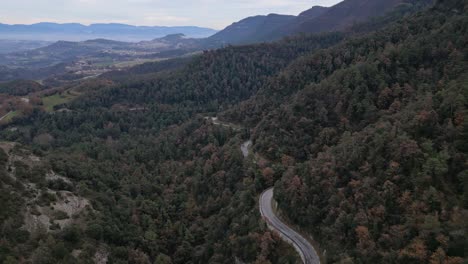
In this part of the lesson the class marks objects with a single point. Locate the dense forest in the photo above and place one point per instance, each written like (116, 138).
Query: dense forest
(379, 144)
(20, 87)
(363, 134)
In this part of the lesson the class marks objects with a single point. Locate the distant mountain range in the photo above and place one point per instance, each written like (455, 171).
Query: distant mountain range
(315, 20)
(103, 52)
(79, 32)
(249, 30)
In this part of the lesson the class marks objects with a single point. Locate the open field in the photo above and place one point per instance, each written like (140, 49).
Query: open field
(57, 99)
(8, 117)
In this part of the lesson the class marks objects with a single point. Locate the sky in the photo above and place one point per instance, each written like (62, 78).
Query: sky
(215, 14)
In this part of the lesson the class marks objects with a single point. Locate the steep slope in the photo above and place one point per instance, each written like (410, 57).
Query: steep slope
(252, 29)
(342, 16)
(369, 142)
(314, 12)
(36, 200)
(339, 17)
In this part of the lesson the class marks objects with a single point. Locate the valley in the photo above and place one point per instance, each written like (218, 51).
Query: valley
(63, 61)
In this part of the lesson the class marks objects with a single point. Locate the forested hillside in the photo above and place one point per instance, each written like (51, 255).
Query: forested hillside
(371, 135)
(363, 136)
(20, 88)
(158, 190)
(214, 81)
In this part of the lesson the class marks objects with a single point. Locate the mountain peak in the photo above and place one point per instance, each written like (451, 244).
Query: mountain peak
(173, 37)
(314, 11)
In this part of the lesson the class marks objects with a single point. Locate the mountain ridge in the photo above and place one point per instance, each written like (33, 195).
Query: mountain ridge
(250, 29)
(317, 19)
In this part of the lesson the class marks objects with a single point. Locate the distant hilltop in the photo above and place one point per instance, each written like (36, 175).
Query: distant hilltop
(77, 32)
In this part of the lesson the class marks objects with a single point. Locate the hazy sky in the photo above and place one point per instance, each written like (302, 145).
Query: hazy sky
(208, 13)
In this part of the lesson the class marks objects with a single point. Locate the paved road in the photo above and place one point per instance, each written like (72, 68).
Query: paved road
(302, 246)
(245, 148)
(216, 121)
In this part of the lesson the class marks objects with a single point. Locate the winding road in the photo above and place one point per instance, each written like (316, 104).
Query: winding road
(245, 148)
(217, 122)
(302, 246)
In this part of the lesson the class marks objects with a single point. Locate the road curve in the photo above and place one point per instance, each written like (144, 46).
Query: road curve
(302, 246)
(245, 148)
